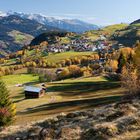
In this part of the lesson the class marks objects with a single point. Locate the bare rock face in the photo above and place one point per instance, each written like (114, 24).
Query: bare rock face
(127, 123)
(72, 115)
(68, 133)
(47, 134)
(91, 134)
(114, 116)
(33, 133)
(103, 123)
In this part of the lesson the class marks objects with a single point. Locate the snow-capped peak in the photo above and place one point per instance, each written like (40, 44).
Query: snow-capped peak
(73, 25)
(2, 14)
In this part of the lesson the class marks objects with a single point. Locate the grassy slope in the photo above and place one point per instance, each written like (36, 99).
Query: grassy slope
(62, 56)
(127, 36)
(114, 27)
(109, 30)
(11, 80)
(53, 57)
(62, 96)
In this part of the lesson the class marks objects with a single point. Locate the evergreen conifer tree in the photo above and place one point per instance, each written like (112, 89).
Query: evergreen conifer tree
(130, 58)
(7, 107)
(137, 56)
(121, 63)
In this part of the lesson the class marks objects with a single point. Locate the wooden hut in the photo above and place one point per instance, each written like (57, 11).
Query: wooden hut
(33, 92)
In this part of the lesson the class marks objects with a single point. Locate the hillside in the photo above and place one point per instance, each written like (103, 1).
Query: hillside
(119, 33)
(50, 37)
(129, 35)
(111, 122)
(16, 32)
(107, 31)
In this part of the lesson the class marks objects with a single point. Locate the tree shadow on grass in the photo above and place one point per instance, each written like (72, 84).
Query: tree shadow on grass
(19, 97)
(32, 83)
(52, 108)
(81, 88)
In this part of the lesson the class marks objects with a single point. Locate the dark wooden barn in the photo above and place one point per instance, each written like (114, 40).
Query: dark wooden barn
(33, 92)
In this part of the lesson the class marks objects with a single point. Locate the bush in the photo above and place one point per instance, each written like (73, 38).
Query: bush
(95, 66)
(4, 116)
(75, 71)
(63, 63)
(87, 71)
(76, 61)
(114, 65)
(72, 71)
(64, 74)
(84, 61)
(68, 62)
(47, 77)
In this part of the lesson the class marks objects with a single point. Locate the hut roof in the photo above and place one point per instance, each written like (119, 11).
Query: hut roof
(32, 89)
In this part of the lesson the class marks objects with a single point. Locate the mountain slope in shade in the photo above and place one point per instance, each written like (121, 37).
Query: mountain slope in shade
(16, 32)
(71, 25)
(25, 25)
(129, 35)
(50, 37)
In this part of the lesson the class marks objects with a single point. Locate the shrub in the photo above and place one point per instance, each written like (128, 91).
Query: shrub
(75, 71)
(64, 74)
(47, 77)
(76, 61)
(68, 62)
(87, 71)
(95, 66)
(72, 71)
(59, 65)
(4, 116)
(114, 65)
(84, 61)
(1, 73)
(63, 63)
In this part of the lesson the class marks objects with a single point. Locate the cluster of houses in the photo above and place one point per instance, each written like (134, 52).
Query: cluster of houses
(80, 45)
(56, 48)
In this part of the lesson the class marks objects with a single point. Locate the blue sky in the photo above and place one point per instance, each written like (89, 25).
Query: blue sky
(101, 12)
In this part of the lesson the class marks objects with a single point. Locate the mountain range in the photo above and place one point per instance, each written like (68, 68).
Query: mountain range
(71, 25)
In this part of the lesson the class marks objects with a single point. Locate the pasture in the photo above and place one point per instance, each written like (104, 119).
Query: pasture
(61, 96)
(57, 57)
